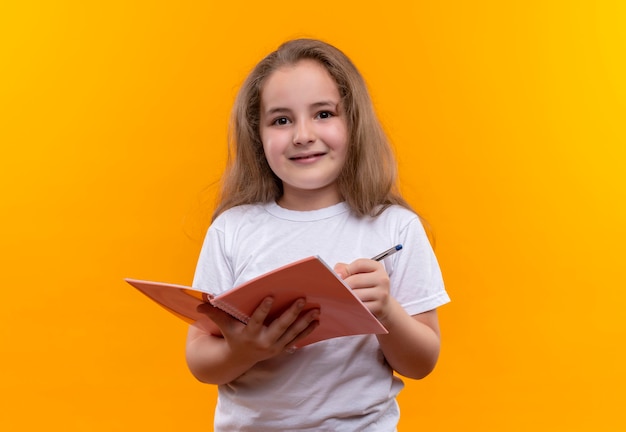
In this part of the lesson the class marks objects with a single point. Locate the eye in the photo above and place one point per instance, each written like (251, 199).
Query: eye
(280, 121)
(325, 114)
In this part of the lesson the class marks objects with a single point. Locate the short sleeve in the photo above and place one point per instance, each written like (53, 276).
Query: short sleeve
(415, 276)
(213, 270)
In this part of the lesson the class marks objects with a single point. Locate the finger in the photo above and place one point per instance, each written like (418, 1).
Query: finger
(361, 265)
(302, 327)
(366, 294)
(362, 280)
(258, 317)
(280, 325)
(292, 345)
(342, 270)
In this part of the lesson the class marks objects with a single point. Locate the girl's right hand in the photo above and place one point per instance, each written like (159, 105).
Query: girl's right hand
(257, 341)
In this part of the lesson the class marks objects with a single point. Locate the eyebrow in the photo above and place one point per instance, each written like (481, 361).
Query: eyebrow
(315, 105)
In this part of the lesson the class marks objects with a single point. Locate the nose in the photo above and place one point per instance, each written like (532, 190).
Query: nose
(304, 133)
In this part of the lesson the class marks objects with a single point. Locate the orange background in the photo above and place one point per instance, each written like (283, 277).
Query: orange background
(508, 119)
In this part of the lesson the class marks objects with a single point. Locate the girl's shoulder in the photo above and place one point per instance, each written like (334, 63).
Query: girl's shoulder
(399, 213)
(400, 219)
(237, 214)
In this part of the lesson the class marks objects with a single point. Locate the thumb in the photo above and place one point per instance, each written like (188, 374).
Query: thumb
(342, 270)
(218, 316)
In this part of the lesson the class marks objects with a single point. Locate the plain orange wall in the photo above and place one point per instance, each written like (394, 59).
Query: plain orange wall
(508, 120)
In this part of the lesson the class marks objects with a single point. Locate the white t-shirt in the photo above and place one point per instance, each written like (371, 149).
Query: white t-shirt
(342, 384)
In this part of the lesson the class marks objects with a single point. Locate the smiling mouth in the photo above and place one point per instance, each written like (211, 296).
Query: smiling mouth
(311, 156)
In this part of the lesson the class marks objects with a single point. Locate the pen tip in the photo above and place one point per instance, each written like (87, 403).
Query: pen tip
(398, 247)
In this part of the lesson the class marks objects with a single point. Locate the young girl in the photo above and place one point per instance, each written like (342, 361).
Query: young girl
(312, 173)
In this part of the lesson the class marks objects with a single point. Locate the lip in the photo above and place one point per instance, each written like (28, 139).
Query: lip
(307, 157)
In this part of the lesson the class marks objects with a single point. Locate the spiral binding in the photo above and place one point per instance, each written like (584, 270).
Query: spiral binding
(230, 310)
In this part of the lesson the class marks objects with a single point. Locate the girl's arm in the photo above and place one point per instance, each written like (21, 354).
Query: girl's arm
(219, 360)
(412, 345)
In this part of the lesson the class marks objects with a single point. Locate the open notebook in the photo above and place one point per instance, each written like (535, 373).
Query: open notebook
(341, 312)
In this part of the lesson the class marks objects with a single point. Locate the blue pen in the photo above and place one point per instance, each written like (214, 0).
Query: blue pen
(388, 252)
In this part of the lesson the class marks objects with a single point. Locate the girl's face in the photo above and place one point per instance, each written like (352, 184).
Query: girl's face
(304, 133)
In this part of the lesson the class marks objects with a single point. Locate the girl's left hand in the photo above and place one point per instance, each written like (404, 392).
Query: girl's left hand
(370, 283)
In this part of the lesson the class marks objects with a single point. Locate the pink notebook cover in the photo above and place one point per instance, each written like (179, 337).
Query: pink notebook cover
(341, 312)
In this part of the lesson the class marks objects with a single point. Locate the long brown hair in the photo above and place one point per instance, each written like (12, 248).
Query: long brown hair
(368, 180)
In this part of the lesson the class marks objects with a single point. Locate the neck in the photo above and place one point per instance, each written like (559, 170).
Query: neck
(309, 200)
